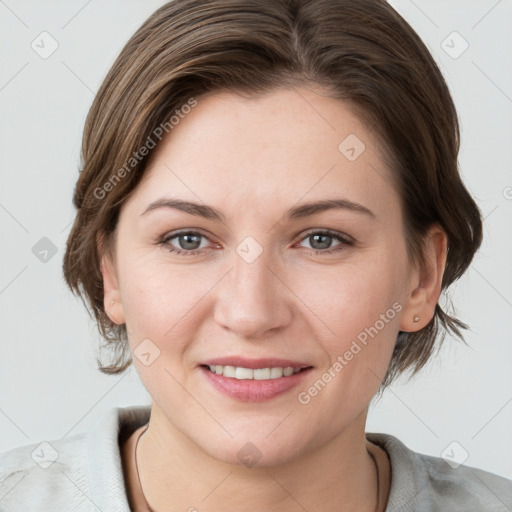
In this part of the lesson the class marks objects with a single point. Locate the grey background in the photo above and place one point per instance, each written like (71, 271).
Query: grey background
(49, 384)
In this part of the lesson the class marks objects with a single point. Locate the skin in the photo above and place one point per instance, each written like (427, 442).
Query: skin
(253, 159)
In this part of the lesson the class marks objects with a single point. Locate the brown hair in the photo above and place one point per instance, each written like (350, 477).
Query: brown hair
(363, 52)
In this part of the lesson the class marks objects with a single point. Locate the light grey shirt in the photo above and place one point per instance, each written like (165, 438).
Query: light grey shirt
(84, 473)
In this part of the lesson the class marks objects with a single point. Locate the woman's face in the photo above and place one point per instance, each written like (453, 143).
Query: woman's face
(248, 289)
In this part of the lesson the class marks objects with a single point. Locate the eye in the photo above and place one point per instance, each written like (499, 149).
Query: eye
(321, 241)
(189, 242)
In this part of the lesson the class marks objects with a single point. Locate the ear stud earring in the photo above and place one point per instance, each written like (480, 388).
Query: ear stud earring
(416, 318)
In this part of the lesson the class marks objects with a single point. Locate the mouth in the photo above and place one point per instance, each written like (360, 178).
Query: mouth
(254, 380)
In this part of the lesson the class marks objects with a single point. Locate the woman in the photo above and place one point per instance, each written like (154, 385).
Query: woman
(268, 211)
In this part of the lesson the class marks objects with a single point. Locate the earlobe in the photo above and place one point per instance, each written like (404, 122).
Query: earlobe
(112, 312)
(420, 305)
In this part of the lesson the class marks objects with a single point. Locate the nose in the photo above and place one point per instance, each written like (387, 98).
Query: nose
(253, 298)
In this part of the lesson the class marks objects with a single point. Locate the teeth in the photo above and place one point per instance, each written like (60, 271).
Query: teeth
(229, 371)
(243, 373)
(256, 374)
(275, 373)
(264, 373)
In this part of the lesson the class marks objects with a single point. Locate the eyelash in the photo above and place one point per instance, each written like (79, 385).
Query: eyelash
(345, 241)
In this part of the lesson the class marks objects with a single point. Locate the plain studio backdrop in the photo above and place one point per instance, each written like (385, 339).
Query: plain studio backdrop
(55, 56)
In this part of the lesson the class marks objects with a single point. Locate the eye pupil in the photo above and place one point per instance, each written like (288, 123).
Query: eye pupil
(316, 237)
(187, 237)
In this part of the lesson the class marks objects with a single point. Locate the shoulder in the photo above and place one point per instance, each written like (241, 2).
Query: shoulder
(39, 474)
(425, 483)
(78, 473)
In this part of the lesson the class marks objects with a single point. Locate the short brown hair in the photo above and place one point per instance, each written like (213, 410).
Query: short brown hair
(363, 52)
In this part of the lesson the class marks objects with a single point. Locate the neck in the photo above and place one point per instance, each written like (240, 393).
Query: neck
(176, 474)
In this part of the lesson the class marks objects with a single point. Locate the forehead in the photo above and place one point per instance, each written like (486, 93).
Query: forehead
(286, 144)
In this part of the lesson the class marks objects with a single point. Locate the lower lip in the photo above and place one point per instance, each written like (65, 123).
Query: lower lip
(250, 390)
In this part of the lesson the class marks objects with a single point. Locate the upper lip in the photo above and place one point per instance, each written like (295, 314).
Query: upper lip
(265, 362)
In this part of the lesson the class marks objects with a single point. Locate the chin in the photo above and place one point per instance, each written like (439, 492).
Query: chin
(255, 449)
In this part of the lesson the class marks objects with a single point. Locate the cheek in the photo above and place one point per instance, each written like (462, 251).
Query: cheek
(364, 315)
(161, 300)
(361, 313)
(351, 297)
(161, 304)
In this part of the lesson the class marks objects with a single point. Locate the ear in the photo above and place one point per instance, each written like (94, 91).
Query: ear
(111, 294)
(425, 284)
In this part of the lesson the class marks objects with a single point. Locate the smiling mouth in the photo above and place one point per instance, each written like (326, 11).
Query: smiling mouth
(241, 373)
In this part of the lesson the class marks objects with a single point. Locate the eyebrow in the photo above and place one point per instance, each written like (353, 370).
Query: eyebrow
(297, 212)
